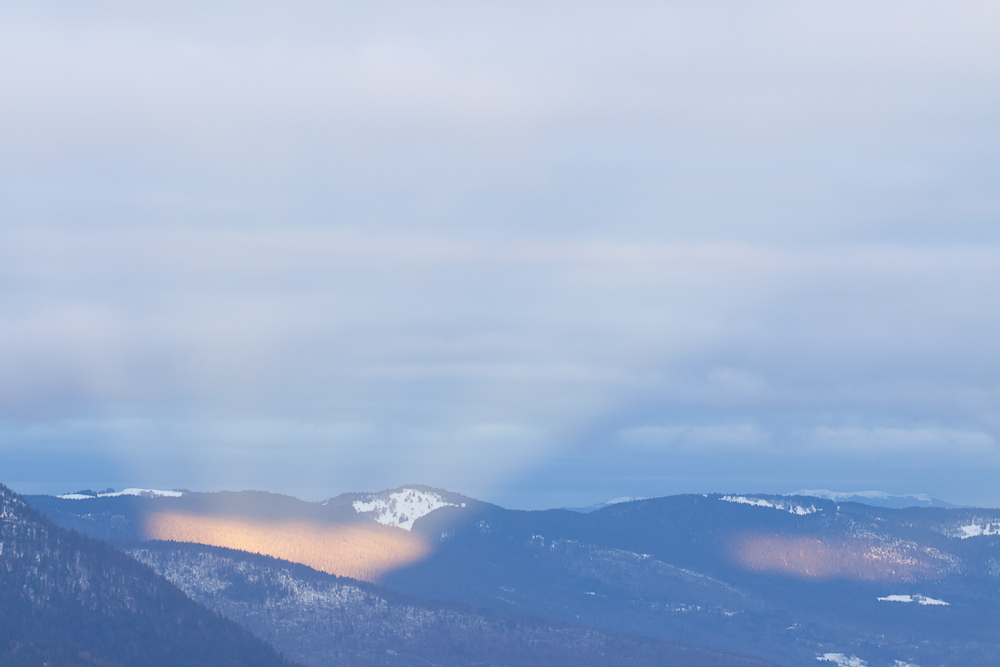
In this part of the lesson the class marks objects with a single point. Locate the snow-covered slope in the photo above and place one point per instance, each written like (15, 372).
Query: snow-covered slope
(842, 660)
(790, 507)
(401, 508)
(921, 599)
(978, 528)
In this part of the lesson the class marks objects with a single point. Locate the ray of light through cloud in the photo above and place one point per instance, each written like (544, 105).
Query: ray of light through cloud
(540, 254)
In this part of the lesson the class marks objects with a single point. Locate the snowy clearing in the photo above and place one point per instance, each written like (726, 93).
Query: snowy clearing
(401, 508)
(976, 529)
(791, 508)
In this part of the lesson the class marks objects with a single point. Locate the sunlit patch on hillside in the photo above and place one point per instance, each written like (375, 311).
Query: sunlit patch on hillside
(856, 559)
(357, 551)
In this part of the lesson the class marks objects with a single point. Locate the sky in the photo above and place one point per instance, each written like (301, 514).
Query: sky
(544, 254)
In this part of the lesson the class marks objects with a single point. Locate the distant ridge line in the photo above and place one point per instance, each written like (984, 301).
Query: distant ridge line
(877, 498)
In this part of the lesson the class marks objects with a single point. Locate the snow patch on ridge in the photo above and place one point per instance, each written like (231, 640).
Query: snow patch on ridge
(401, 508)
(145, 493)
(922, 599)
(976, 529)
(842, 660)
(791, 508)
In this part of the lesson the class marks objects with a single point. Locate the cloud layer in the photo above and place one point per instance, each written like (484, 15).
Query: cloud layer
(535, 253)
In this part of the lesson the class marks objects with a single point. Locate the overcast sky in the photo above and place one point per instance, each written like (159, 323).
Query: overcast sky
(540, 253)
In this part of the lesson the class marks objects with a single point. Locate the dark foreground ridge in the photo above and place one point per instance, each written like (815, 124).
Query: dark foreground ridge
(71, 601)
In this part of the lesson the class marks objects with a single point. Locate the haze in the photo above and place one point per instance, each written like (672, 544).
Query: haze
(540, 254)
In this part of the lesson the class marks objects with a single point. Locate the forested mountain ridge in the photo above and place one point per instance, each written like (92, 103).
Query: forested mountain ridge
(319, 620)
(73, 601)
(788, 578)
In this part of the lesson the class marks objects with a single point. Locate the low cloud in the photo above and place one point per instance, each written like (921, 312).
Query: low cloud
(921, 442)
(744, 436)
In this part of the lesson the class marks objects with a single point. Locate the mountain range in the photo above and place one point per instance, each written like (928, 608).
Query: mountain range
(878, 498)
(417, 575)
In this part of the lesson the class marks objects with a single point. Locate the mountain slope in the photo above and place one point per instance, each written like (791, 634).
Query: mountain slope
(789, 578)
(69, 600)
(320, 620)
(356, 535)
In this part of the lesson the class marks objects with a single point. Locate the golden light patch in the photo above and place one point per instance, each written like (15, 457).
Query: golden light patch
(817, 558)
(360, 552)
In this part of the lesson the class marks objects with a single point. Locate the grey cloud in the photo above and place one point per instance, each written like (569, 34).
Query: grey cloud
(679, 437)
(229, 226)
(773, 121)
(865, 441)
